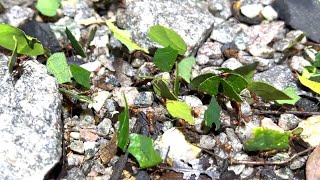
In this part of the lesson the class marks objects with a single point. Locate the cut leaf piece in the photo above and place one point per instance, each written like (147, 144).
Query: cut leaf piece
(167, 37)
(76, 96)
(48, 7)
(26, 45)
(291, 92)
(296, 40)
(267, 139)
(181, 110)
(58, 67)
(229, 91)
(237, 82)
(195, 83)
(317, 61)
(142, 148)
(81, 75)
(308, 71)
(185, 68)
(91, 35)
(124, 37)
(314, 86)
(212, 114)
(315, 77)
(210, 85)
(267, 91)
(247, 71)
(13, 59)
(161, 88)
(123, 131)
(75, 44)
(164, 58)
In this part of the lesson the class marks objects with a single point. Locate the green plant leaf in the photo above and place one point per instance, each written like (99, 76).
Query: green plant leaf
(178, 109)
(185, 68)
(309, 71)
(123, 131)
(81, 75)
(164, 58)
(316, 63)
(13, 59)
(315, 77)
(229, 91)
(142, 148)
(267, 139)
(167, 37)
(76, 96)
(75, 44)
(195, 82)
(162, 89)
(314, 86)
(210, 85)
(26, 45)
(176, 82)
(124, 37)
(296, 40)
(237, 82)
(291, 92)
(247, 71)
(48, 7)
(267, 91)
(91, 35)
(212, 114)
(58, 67)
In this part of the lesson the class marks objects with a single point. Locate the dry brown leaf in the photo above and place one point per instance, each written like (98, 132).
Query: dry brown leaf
(313, 164)
(108, 151)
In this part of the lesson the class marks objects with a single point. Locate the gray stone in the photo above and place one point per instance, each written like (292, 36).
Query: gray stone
(30, 131)
(245, 132)
(136, 63)
(220, 8)
(297, 63)
(231, 63)
(226, 31)
(192, 100)
(207, 142)
(75, 173)
(269, 13)
(262, 51)
(77, 146)
(183, 17)
(17, 15)
(234, 140)
(75, 159)
(202, 59)
(303, 15)
(211, 49)
(23, 3)
(104, 127)
(298, 163)
(288, 121)
(144, 99)
(59, 27)
(281, 45)
(110, 105)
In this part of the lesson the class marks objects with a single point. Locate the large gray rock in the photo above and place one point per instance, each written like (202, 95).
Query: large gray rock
(30, 130)
(192, 23)
(303, 15)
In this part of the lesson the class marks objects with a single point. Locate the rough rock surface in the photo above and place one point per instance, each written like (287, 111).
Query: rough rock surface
(191, 22)
(30, 130)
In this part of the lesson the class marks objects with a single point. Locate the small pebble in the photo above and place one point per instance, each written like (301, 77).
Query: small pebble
(77, 146)
(269, 13)
(251, 10)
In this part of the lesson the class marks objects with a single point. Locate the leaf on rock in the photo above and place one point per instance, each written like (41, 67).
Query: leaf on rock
(123, 131)
(291, 92)
(185, 68)
(181, 110)
(247, 71)
(81, 75)
(229, 91)
(75, 44)
(142, 148)
(267, 91)
(76, 96)
(48, 7)
(167, 37)
(58, 67)
(212, 114)
(164, 58)
(26, 45)
(195, 83)
(162, 89)
(124, 37)
(13, 59)
(267, 139)
(314, 86)
(210, 85)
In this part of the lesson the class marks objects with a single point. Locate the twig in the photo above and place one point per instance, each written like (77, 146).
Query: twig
(260, 163)
(303, 113)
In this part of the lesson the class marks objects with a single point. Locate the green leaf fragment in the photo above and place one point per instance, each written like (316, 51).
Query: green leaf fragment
(246, 71)
(267, 91)
(185, 68)
(123, 131)
(308, 71)
(13, 59)
(181, 110)
(75, 44)
(210, 85)
(314, 86)
(195, 83)
(58, 67)
(124, 37)
(296, 40)
(81, 75)
(76, 96)
(315, 77)
(164, 58)
(142, 148)
(48, 7)
(162, 89)
(291, 92)
(91, 35)
(26, 45)
(167, 37)
(212, 114)
(237, 82)
(229, 91)
(267, 139)
(176, 82)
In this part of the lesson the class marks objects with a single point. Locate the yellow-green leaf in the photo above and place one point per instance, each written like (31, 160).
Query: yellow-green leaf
(185, 68)
(178, 109)
(123, 131)
(291, 92)
(48, 7)
(58, 67)
(81, 75)
(314, 86)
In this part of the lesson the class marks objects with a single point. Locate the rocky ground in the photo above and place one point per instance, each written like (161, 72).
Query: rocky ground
(47, 135)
